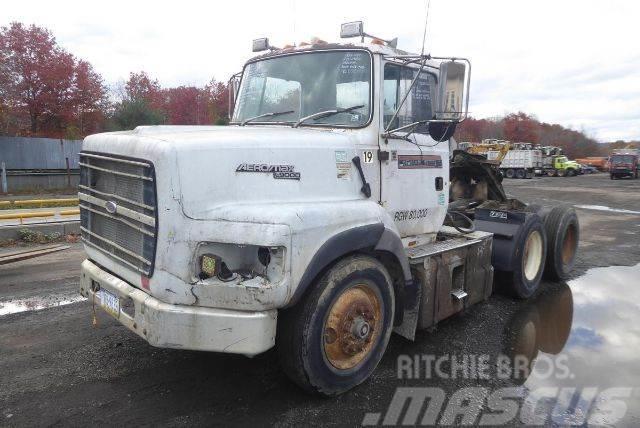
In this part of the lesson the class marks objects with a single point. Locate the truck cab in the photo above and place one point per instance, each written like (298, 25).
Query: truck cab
(314, 221)
(623, 165)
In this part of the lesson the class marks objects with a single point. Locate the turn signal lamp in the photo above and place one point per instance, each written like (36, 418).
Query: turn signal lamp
(209, 265)
(260, 45)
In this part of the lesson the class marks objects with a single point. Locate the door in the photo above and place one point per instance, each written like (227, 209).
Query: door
(415, 174)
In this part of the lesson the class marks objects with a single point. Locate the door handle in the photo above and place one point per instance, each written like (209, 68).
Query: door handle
(366, 189)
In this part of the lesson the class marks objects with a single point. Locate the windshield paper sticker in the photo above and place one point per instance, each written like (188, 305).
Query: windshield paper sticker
(285, 172)
(419, 161)
(343, 166)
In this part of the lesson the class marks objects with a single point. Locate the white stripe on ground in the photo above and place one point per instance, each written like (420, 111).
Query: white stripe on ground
(38, 302)
(608, 209)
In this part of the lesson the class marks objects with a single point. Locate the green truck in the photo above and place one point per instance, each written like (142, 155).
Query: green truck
(556, 164)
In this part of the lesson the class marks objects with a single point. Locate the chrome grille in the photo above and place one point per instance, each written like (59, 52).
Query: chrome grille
(118, 208)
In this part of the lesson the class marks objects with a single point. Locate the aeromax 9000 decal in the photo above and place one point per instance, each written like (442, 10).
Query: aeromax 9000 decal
(285, 172)
(419, 161)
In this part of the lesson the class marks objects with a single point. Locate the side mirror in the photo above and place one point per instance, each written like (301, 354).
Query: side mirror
(453, 93)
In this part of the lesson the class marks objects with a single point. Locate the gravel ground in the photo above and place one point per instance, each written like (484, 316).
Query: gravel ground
(59, 370)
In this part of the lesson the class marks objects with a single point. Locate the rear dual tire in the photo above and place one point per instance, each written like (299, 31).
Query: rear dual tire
(562, 228)
(530, 254)
(563, 234)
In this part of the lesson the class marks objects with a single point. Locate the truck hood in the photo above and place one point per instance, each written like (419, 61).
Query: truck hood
(216, 169)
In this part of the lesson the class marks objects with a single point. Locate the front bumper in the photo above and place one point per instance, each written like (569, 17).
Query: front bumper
(178, 326)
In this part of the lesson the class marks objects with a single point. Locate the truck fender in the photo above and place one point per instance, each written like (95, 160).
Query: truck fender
(506, 227)
(372, 236)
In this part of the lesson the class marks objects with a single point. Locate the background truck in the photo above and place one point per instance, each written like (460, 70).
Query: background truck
(518, 163)
(556, 164)
(598, 162)
(327, 215)
(624, 163)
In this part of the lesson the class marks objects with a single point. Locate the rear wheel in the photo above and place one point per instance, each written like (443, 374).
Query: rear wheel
(570, 172)
(530, 254)
(334, 338)
(510, 173)
(563, 234)
(521, 173)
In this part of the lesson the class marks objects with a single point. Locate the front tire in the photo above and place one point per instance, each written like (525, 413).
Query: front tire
(334, 338)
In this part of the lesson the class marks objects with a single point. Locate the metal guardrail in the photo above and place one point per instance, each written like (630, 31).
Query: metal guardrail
(39, 203)
(38, 214)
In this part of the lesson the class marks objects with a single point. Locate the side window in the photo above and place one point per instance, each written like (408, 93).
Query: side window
(418, 105)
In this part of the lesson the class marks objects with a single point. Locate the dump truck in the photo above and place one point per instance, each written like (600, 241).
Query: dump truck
(556, 164)
(518, 163)
(330, 213)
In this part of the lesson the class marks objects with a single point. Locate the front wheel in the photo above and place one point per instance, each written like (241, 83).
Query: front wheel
(335, 337)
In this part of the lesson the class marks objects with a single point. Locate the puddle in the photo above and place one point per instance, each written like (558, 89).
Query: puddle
(608, 209)
(583, 338)
(37, 303)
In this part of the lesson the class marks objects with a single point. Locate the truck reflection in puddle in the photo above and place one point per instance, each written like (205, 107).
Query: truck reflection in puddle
(580, 339)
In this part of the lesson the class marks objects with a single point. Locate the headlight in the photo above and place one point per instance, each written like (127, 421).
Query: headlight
(230, 262)
(209, 266)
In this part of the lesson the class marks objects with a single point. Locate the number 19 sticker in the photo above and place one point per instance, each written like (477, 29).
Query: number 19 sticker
(367, 156)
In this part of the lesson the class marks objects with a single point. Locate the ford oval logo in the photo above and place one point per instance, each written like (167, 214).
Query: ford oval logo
(111, 207)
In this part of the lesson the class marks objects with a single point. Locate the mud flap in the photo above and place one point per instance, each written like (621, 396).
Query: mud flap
(411, 310)
(506, 227)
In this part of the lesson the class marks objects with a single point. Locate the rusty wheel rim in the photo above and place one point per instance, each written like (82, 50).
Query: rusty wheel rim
(352, 327)
(569, 245)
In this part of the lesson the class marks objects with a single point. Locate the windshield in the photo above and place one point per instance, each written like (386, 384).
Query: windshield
(621, 159)
(298, 85)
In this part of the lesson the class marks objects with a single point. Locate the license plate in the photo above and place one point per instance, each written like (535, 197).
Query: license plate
(110, 302)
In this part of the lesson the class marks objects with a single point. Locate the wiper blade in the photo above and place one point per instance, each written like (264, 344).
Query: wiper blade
(277, 113)
(326, 113)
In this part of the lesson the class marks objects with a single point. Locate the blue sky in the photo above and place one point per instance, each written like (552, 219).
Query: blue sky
(570, 62)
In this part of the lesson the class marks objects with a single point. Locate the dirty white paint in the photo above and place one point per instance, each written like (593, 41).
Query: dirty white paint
(37, 303)
(608, 209)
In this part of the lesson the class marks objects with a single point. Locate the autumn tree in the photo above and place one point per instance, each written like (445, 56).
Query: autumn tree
(520, 127)
(142, 103)
(42, 84)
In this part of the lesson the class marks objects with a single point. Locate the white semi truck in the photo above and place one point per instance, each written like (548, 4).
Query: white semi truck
(315, 222)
